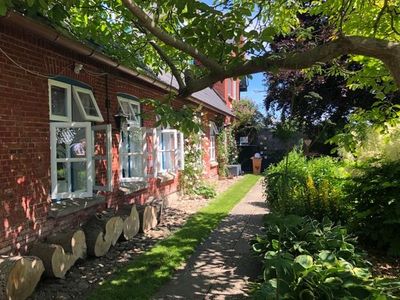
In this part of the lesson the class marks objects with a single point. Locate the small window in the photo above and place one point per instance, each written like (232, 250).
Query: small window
(59, 101)
(87, 105)
(71, 170)
(213, 133)
(170, 150)
(132, 153)
(131, 109)
(167, 150)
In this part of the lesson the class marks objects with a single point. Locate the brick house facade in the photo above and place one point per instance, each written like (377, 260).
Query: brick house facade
(31, 54)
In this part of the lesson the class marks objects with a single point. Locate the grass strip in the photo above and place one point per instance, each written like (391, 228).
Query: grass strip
(147, 273)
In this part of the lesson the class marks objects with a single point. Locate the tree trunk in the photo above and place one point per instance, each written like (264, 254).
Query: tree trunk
(56, 261)
(131, 225)
(73, 242)
(19, 276)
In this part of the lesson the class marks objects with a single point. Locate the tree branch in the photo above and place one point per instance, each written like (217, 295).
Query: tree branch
(379, 17)
(175, 72)
(162, 35)
(387, 52)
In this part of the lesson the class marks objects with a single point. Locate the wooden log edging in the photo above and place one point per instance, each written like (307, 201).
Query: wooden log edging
(131, 221)
(150, 214)
(102, 231)
(60, 251)
(19, 276)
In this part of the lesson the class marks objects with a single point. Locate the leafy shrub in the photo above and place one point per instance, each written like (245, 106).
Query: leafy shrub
(313, 187)
(374, 192)
(205, 190)
(307, 259)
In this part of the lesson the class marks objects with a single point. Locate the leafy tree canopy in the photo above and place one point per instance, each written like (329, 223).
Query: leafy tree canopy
(248, 118)
(169, 34)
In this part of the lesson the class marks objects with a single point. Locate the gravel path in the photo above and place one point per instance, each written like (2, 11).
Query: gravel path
(87, 274)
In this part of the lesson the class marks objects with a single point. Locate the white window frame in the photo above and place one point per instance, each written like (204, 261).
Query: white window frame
(66, 86)
(107, 157)
(54, 160)
(234, 89)
(160, 151)
(136, 116)
(127, 127)
(78, 100)
(180, 151)
(229, 86)
(212, 144)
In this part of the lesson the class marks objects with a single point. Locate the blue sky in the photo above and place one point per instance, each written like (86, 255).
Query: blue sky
(256, 91)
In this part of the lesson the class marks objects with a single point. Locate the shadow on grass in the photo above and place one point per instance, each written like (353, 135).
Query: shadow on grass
(142, 278)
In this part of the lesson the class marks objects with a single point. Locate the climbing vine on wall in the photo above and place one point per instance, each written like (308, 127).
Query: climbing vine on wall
(191, 176)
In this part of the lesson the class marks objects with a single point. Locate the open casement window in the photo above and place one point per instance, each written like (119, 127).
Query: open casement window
(131, 109)
(60, 101)
(62, 108)
(229, 87)
(87, 105)
(71, 163)
(102, 157)
(151, 155)
(213, 133)
(234, 89)
(180, 151)
(170, 157)
(132, 151)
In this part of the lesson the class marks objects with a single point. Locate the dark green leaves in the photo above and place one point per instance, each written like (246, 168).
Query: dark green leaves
(328, 266)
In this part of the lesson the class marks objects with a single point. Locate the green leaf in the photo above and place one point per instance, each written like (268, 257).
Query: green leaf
(3, 8)
(275, 244)
(327, 256)
(306, 261)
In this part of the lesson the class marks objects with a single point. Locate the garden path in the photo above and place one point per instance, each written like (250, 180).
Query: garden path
(222, 266)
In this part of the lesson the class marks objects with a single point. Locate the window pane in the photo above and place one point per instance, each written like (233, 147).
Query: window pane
(132, 141)
(101, 172)
(132, 166)
(71, 142)
(168, 161)
(125, 108)
(62, 177)
(58, 101)
(100, 142)
(88, 105)
(167, 141)
(78, 177)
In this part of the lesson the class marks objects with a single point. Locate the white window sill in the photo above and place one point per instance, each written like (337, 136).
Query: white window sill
(129, 187)
(165, 177)
(213, 163)
(70, 206)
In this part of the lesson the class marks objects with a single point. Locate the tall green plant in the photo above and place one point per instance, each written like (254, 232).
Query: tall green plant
(222, 153)
(313, 187)
(374, 194)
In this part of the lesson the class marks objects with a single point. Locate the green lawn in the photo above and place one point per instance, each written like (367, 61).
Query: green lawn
(147, 273)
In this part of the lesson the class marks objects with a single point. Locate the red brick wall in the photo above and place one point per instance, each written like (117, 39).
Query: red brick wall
(24, 135)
